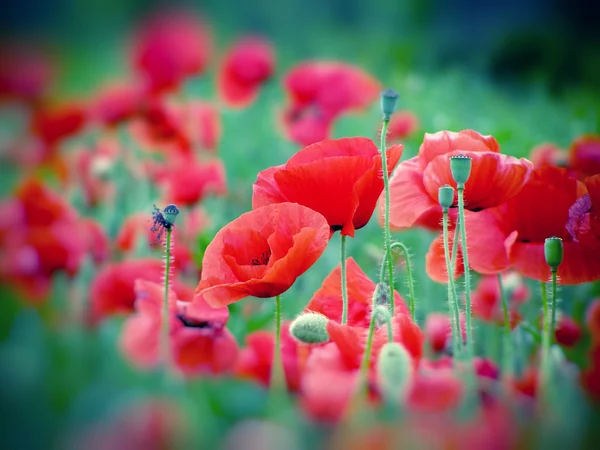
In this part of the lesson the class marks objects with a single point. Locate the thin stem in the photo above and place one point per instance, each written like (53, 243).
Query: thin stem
(364, 366)
(411, 286)
(166, 332)
(465, 255)
(386, 215)
(344, 282)
(452, 298)
(277, 385)
(545, 356)
(553, 323)
(507, 354)
(455, 244)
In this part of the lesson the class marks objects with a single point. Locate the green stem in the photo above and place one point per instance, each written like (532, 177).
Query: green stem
(507, 362)
(386, 215)
(553, 323)
(411, 286)
(455, 244)
(166, 332)
(545, 356)
(465, 255)
(344, 282)
(452, 298)
(277, 385)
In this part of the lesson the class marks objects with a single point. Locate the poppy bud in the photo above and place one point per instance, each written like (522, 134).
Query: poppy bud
(310, 328)
(381, 294)
(170, 213)
(382, 315)
(446, 196)
(553, 251)
(460, 166)
(394, 370)
(389, 98)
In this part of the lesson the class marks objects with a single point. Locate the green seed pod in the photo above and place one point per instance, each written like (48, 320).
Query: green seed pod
(553, 251)
(446, 196)
(460, 166)
(310, 328)
(389, 99)
(170, 213)
(394, 371)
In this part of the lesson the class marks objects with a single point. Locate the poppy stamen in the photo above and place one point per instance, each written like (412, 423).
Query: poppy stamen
(264, 259)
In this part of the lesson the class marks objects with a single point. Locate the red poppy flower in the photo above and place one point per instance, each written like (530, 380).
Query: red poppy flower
(337, 178)
(548, 154)
(494, 179)
(584, 156)
(519, 228)
(112, 291)
(435, 391)
(118, 103)
(319, 93)
(247, 65)
(567, 332)
(584, 215)
(438, 331)
(402, 125)
(187, 180)
(203, 124)
(262, 252)
(55, 123)
(256, 358)
(170, 47)
(328, 299)
(486, 301)
(200, 343)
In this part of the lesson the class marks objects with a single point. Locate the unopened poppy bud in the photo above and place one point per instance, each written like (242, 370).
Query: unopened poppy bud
(394, 370)
(310, 328)
(553, 251)
(389, 98)
(170, 213)
(381, 294)
(460, 166)
(382, 314)
(446, 196)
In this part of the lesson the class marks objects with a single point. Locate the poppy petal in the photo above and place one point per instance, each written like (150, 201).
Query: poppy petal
(444, 142)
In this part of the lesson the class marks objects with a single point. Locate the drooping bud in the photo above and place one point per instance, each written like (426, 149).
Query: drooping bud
(460, 166)
(310, 328)
(446, 196)
(382, 315)
(389, 99)
(553, 251)
(170, 213)
(394, 371)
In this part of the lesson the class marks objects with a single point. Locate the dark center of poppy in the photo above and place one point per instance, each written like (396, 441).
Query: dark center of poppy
(194, 323)
(263, 260)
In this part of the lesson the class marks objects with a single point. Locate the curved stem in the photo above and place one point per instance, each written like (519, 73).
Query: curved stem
(386, 214)
(165, 328)
(411, 286)
(452, 298)
(465, 255)
(507, 354)
(344, 282)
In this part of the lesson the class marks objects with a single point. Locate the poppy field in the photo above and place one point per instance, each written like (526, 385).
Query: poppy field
(208, 240)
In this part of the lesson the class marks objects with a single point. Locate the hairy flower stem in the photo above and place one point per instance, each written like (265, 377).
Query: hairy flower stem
(344, 282)
(411, 285)
(545, 356)
(507, 357)
(165, 328)
(386, 214)
(277, 382)
(463, 234)
(452, 297)
(364, 366)
(553, 323)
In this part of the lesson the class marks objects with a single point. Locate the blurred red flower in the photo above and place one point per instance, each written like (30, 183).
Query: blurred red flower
(25, 73)
(494, 179)
(262, 252)
(200, 343)
(438, 331)
(321, 91)
(53, 123)
(247, 65)
(170, 47)
(328, 299)
(402, 125)
(487, 303)
(112, 290)
(584, 215)
(548, 154)
(584, 156)
(519, 228)
(567, 332)
(337, 178)
(118, 103)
